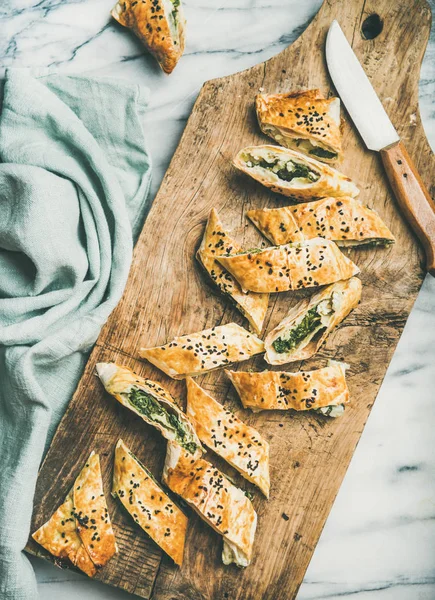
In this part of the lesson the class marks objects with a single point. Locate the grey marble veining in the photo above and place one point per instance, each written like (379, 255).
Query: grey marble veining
(379, 540)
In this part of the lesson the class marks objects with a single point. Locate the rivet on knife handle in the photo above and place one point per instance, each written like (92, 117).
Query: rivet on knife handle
(413, 197)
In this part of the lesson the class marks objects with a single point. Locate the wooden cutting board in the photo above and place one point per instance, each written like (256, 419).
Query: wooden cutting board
(167, 295)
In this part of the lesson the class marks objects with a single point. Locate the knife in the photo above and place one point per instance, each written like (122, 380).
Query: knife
(379, 134)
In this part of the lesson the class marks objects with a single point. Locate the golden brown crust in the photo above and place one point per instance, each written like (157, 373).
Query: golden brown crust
(204, 351)
(343, 220)
(312, 263)
(59, 536)
(148, 504)
(219, 503)
(151, 22)
(80, 529)
(279, 225)
(305, 390)
(306, 115)
(119, 381)
(344, 296)
(329, 182)
(91, 514)
(217, 241)
(229, 437)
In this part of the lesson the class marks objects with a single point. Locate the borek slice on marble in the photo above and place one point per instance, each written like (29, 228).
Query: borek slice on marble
(218, 502)
(148, 504)
(204, 351)
(323, 390)
(307, 264)
(217, 241)
(159, 24)
(229, 437)
(151, 402)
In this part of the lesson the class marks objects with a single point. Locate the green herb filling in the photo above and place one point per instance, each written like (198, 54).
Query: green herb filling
(311, 321)
(322, 153)
(250, 251)
(154, 411)
(285, 170)
(175, 4)
(379, 242)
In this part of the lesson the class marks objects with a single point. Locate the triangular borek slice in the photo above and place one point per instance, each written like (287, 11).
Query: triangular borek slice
(159, 26)
(60, 537)
(80, 529)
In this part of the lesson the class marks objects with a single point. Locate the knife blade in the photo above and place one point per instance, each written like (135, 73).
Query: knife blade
(364, 107)
(379, 134)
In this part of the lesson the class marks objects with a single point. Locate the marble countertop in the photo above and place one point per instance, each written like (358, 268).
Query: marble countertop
(379, 540)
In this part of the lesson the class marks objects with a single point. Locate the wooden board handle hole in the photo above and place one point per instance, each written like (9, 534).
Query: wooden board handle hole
(372, 27)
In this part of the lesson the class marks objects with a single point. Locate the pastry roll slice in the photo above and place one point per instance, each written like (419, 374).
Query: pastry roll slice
(305, 121)
(219, 429)
(343, 220)
(290, 267)
(60, 537)
(148, 504)
(323, 390)
(80, 529)
(91, 513)
(151, 402)
(292, 174)
(158, 24)
(218, 502)
(204, 351)
(308, 324)
(217, 241)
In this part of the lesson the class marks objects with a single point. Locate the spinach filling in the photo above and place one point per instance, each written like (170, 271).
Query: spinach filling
(175, 4)
(295, 336)
(299, 172)
(154, 411)
(286, 170)
(250, 251)
(379, 242)
(322, 153)
(369, 243)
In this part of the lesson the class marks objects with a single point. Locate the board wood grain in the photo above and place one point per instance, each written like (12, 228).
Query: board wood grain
(167, 295)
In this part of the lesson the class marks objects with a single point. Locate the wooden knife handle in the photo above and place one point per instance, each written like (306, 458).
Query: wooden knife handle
(413, 198)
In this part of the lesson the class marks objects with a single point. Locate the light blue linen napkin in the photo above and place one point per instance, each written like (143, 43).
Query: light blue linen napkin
(74, 179)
